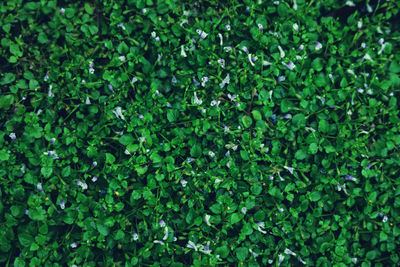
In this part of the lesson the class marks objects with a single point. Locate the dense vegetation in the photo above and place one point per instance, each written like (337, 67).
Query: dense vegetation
(199, 133)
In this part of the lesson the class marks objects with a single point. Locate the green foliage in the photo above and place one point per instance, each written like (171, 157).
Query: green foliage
(199, 133)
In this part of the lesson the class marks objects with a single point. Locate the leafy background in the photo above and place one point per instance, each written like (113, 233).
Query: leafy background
(313, 159)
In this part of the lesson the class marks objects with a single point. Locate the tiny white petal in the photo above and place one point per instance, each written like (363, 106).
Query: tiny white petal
(281, 51)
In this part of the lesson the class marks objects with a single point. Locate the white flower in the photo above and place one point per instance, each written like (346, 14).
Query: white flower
(91, 70)
(351, 72)
(260, 26)
(221, 40)
(205, 249)
(135, 236)
(192, 245)
(122, 58)
(62, 204)
(281, 51)
(244, 48)
(215, 103)
(363, 45)
(294, 5)
(74, 245)
(301, 260)
(318, 46)
(13, 136)
(339, 188)
(204, 80)
(251, 62)
(50, 94)
(228, 27)
(153, 34)
(359, 24)
(217, 181)
(207, 219)
(289, 252)
(183, 182)
(382, 48)
(166, 233)
(227, 48)
(266, 63)
(183, 53)
(369, 8)
(243, 210)
(221, 62)
(225, 81)
(279, 174)
(121, 26)
(354, 260)
(350, 3)
(301, 47)
(260, 227)
(185, 21)
(255, 255)
(118, 112)
(87, 101)
(202, 34)
(290, 65)
(290, 169)
(385, 219)
(281, 258)
(158, 242)
(232, 97)
(142, 139)
(296, 27)
(157, 39)
(211, 154)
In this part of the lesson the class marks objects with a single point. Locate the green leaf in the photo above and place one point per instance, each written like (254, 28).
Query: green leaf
(235, 218)
(119, 235)
(4, 155)
(222, 251)
(172, 115)
(126, 139)
(93, 29)
(247, 229)
(256, 189)
(317, 64)
(89, 9)
(216, 208)
(196, 151)
(313, 148)
(14, 49)
(19, 262)
(34, 247)
(394, 67)
(241, 253)
(42, 38)
(66, 171)
(299, 120)
(323, 126)
(244, 155)
(110, 158)
(315, 196)
(6, 101)
(257, 115)
(247, 121)
(46, 171)
(38, 214)
(25, 239)
(103, 230)
(300, 154)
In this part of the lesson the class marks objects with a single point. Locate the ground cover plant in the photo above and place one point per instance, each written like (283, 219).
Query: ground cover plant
(199, 133)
